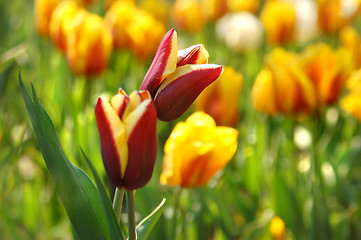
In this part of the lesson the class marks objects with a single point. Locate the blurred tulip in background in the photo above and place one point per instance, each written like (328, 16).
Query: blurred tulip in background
(188, 15)
(328, 69)
(214, 8)
(127, 130)
(196, 150)
(350, 39)
(282, 87)
(221, 99)
(351, 102)
(277, 228)
(159, 9)
(43, 10)
(89, 45)
(279, 21)
(243, 5)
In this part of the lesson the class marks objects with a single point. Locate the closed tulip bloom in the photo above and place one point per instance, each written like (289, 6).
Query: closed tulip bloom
(279, 21)
(43, 10)
(214, 9)
(188, 15)
(196, 150)
(176, 78)
(127, 130)
(350, 39)
(328, 69)
(221, 98)
(62, 22)
(281, 86)
(159, 9)
(89, 45)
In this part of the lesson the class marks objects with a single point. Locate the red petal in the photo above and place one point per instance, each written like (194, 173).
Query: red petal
(142, 149)
(110, 153)
(180, 89)
(164, 63)
(196, 54)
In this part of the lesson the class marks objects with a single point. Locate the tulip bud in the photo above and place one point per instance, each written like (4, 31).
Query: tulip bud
(127, 130)
(196, 150)
(175, 79)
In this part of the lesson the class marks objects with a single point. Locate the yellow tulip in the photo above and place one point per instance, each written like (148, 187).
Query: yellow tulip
(281, 86)
(62, 21)
(328, 69)
(196, 150)
(221, 98)
(108, 3)
(159, 9)
(279, 20)
(277, 228)
(43, 10)
(215, 8)
(243, 5)
(351, 103)
(89, 45)
(350, 39)
(188, 15)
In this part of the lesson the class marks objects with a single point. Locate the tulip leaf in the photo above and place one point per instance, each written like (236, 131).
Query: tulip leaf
(111, 219)
(78, 193)
(145, 226)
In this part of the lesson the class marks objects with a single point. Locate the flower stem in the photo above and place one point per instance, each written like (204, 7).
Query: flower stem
(131, 216)
(175, 212)
(118, 202)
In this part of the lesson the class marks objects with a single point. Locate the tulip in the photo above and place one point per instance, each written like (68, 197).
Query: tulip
(351, 103)
(159, 9)
(279, 20)
(215, 9)
(188, 15)
(282, 87)
(196, 150)
(328, 69)
(243, 6)
(277, 228)
(176, 78)
(62, 21)
(221, 98)
(350, 39)
(89, 45)
(127, 130)
(43, 10)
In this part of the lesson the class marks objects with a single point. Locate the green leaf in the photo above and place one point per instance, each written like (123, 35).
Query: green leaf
(79, 195)
(111, 219)
(145, 226)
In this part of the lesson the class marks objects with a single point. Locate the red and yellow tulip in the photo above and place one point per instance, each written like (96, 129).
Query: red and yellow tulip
(282, 87)
(89, 45)
(196, 150)
(127, 130)
(43, 9)
(221, 98)
(328, 70)
(279, 21)
(176, 78)
(278, 228)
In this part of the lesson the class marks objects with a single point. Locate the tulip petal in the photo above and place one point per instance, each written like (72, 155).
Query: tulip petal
(180, 89)
(196, 54)
(112, 140)
(142, 145)
(120, 102)
(164, 63)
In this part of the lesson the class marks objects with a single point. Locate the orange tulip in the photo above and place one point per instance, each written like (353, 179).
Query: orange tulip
(215, 9)
(281, 86)
(196, 150)
(328, 69)
(89, 45)
(188, 15)
(279, 20)
(43, 10)
(221, 98)
(62, 21)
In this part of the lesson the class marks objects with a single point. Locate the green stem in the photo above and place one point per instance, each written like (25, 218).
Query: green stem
(131, 216)
(118, 202)
(175, 212)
